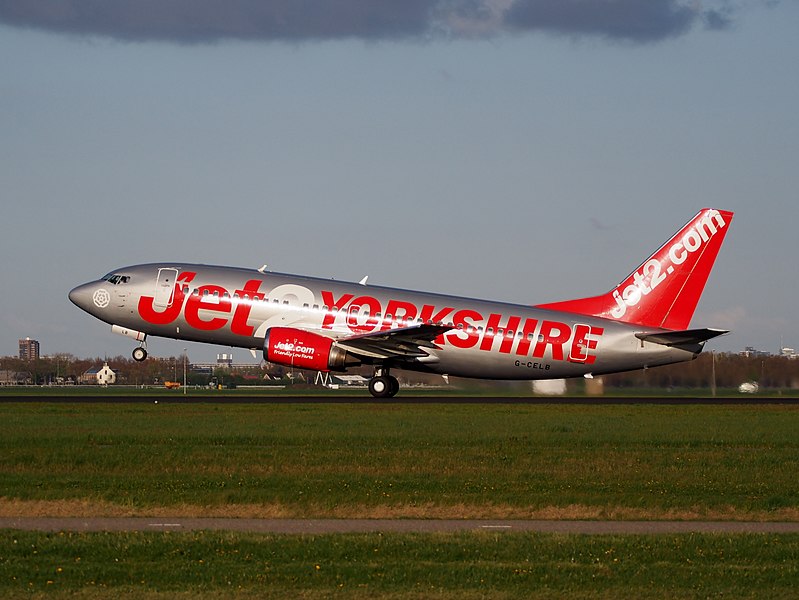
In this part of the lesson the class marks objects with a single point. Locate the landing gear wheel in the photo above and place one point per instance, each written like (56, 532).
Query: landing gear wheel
(139, 354)
(379, 386)
(383, 386)
(393, 387)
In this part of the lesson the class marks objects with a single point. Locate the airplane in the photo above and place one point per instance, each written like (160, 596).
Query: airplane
(331, 326)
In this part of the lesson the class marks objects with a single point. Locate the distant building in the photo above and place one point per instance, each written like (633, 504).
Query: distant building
(549, 387)
(750, 352)
(89, 376)
(29, 349)
(14, 378)
(789, 353)
(106, 376)
(99, 375)
(350, 380)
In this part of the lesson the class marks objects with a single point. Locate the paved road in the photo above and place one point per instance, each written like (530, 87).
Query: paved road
(178, 398)
(320, 526)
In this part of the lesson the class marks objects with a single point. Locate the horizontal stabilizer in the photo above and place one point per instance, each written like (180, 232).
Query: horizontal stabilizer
(688, 337)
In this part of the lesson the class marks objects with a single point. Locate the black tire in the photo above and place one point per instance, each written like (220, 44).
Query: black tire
(393, 386)
(139, 354)
(380, 387)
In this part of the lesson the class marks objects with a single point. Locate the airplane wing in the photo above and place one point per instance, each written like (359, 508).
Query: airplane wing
(404, 343)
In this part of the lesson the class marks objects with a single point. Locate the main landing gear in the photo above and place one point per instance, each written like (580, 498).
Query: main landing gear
(383, 385)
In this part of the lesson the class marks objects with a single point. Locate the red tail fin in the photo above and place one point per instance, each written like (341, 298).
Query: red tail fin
(665, 289)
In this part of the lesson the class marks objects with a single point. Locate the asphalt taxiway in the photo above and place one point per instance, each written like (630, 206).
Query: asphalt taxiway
(178, 398)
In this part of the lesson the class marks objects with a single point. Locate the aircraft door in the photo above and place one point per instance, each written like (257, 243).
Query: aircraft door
(165, 288)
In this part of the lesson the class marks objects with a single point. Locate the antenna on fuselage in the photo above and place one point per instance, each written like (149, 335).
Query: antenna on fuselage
(262, 269)
(363, 281)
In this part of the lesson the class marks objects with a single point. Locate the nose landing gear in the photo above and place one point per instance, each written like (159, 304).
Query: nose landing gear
(383, 385)
(139, 354)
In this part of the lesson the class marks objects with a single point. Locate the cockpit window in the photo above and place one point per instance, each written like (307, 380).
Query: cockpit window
(116, 279)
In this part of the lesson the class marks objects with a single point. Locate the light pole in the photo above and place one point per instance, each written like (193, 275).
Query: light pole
(184, 371)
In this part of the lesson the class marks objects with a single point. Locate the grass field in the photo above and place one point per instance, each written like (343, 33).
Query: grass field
(373, 460)
(398, 460)
(462, 566)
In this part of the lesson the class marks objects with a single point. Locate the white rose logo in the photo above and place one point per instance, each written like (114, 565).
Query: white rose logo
(101, 298)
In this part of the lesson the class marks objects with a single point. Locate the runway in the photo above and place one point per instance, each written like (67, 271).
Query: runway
(338, 526)
(267, 398)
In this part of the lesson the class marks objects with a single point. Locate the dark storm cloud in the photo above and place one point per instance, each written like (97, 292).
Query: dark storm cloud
(203, 21)
(194, 21)
(638, 20)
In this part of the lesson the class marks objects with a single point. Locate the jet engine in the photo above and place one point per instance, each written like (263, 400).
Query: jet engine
(304, 350)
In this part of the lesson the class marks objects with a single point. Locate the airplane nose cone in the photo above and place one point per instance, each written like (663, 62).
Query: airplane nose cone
(81, 296)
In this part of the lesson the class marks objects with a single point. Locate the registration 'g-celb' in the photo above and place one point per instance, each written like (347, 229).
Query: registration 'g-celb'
(325, 325)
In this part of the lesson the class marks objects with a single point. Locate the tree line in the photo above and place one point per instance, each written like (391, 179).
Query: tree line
(728, 370)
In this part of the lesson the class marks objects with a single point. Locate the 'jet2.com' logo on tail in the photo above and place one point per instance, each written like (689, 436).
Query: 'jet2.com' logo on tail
(667, 261)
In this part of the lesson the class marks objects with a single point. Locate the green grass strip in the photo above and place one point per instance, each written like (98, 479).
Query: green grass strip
(398, 565)
(354, 460)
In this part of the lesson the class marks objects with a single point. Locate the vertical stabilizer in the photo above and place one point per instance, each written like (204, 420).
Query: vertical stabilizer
(664, 291)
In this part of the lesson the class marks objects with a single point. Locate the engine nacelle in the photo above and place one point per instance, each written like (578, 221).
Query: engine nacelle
(304, 350)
